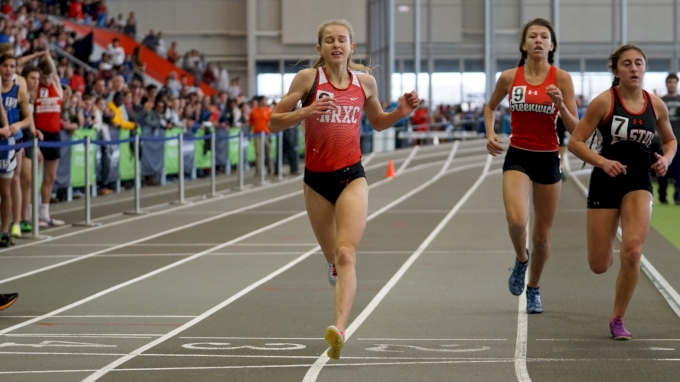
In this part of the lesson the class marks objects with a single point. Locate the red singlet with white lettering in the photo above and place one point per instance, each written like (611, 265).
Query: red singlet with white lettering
(47, 109)
(533, 114)
(332, 140)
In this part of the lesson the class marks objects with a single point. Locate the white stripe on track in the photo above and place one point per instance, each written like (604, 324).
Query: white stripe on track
(140, 217)
(112, 366)
(150, 274)
(313, 372)
(408, 160)
(166, 232)
(368, 159)
(662, 285)
(521, 370)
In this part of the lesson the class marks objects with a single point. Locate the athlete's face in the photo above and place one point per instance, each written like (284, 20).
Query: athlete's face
(32, 80)
(7, 69)
(671, 85)
(335, 44)
(631, 68)
(538, 42)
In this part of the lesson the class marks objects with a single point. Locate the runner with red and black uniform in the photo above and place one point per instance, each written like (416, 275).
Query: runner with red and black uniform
(47, 119)
(334, 95)
(537, 92)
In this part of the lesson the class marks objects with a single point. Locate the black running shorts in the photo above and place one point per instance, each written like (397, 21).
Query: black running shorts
(542, 167)
(51, 153)
(331, 184)
(608, 192)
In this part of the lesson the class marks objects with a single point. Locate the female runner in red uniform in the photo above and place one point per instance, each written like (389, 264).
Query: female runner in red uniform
(333, 96)
(537, 90)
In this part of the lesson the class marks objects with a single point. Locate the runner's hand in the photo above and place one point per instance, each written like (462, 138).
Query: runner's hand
(613, 168)
(493, 144)
(408, 102)
(661, 165)
(555, 95)
(321, 106)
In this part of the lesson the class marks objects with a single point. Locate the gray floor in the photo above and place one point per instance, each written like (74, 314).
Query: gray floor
(234, 288)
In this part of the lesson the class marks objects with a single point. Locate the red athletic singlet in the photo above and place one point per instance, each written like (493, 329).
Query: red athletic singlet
(332, 140)
(47, 114)
(533, 114)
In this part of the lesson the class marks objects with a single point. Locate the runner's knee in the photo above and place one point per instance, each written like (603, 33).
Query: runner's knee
(345, 256)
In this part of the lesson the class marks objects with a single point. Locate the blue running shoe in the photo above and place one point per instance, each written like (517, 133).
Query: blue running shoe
(516, 280)
(534, 301)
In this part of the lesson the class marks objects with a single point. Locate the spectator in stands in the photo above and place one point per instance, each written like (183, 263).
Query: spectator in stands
(130, 28)
(76, 10)
(117, 52)
(137, 60)
(151, 41)
(101, 13)
(156, 117)
(208, 75)
(172, 52)
(77, 80)
(222, 79)
(235, 90)
(120, 116)
(172, 85)
(117, 85)
(161, 50)
(259, 120)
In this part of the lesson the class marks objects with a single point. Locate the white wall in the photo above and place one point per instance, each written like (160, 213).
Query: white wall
(286, 29)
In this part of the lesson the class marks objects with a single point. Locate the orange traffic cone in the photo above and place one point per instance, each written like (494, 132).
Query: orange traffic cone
(390, 170)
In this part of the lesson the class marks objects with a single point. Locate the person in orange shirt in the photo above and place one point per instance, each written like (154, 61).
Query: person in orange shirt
(259, 119)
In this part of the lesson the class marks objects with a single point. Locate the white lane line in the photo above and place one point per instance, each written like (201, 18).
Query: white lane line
(133, 337)
(408, 160)
(447, 362)
(112, 366)
(106, 316)
(600, 340)
(521, 370)
(255, 338)
(662, 285)
(430, 339)
(169, 190)
(152, 273)
(166, 232)
(313, 373)
(102, 335)
(368, 159)
(140, 217)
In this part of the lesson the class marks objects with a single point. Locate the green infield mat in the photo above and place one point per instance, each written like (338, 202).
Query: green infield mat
(666, 217)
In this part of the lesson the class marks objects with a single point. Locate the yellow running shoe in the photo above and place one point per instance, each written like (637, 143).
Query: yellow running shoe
(335, 340)
(16, 230)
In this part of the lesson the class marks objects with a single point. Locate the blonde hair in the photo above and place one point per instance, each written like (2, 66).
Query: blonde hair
(351, 65)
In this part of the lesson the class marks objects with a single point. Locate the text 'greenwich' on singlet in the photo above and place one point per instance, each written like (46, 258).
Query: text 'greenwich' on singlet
(626, 136)
(332, 140)
(533, 114)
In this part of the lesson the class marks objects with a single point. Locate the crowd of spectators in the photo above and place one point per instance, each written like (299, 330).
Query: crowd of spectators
(111, 92)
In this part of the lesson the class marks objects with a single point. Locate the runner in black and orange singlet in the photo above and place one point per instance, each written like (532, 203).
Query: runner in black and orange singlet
(537, 92)
(333, 96)
(624, 118)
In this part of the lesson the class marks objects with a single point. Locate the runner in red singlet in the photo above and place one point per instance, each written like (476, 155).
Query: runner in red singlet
(47, 119)
(537, 91)
(333, 96)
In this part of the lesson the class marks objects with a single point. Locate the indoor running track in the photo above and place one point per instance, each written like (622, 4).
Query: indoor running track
(234, 288)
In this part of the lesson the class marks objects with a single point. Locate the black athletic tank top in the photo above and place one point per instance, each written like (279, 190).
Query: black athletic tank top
(625, 136)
